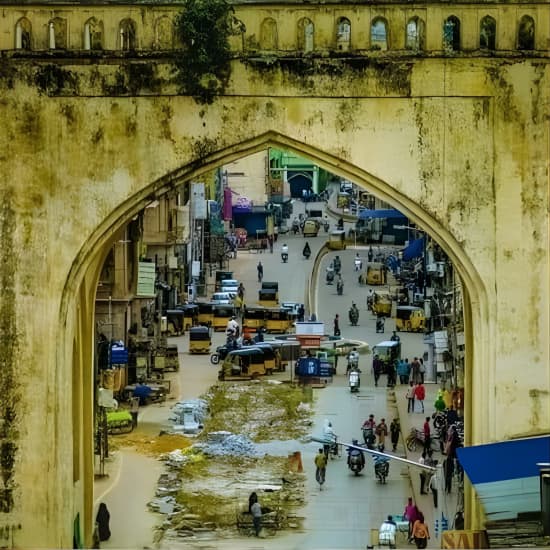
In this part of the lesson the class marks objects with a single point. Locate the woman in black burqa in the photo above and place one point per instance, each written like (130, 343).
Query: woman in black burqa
(102, 520)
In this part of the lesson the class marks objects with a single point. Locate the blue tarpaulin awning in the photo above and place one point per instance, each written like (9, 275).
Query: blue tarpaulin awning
(414, 250)
(390, 213)
(505, 475)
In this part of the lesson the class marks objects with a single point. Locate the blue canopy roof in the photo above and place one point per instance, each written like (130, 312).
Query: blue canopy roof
(391, 213)
(414, 250)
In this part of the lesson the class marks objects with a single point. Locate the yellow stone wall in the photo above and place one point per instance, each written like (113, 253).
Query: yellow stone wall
(460, 144)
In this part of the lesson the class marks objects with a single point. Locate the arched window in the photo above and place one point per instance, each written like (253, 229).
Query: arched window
(268, 35)
(379, 34)
(93, 34)
(127, 34)
(23, 34)
(306, 31)
(343, 34)
(164, 34)
(526, 33)
(415, 34)
(451, 34)
(57, 34)
(487, 33)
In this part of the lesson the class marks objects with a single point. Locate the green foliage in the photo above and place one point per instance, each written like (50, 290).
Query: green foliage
(203, 66)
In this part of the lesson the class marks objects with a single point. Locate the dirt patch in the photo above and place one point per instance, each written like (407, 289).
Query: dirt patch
(151, 446)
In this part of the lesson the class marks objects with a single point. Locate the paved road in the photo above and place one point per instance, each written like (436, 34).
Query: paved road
(342, 515)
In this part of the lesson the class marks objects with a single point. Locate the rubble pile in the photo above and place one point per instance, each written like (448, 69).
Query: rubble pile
(224, 443)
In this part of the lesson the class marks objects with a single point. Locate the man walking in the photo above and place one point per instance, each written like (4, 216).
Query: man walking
(427, 434)
(256, 511)
(410, 397)
(420, 394)
(260, 269)
(321, 468)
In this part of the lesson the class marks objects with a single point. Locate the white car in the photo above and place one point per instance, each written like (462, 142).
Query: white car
(229, 285)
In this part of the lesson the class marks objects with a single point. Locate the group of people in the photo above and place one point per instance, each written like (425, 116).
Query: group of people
(379, 432)
(411, 372)
(415, 393)
(418, 530)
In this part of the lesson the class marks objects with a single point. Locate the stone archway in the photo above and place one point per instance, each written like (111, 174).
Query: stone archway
(75, 347)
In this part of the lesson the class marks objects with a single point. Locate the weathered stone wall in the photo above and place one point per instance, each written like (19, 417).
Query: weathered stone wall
(461, 145)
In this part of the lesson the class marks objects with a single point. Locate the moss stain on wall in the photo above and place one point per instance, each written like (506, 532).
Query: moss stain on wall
(9, 343)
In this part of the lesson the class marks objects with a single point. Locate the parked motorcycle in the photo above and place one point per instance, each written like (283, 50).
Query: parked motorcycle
(381, 468)
(356, 461)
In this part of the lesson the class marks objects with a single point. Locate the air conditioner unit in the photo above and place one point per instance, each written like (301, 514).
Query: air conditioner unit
(440, 269)
(431, 268)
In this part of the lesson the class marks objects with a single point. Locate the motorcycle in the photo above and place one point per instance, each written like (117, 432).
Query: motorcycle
(340, 287)
(369, 437)
(326, 226)
(295, 226)
(353, 316)
(330, 276)
(381, 468)
(354, 381)
(356, 462)
(307, 251)
(284, 257)
(380, 324)
(337, 265)
(220, 354)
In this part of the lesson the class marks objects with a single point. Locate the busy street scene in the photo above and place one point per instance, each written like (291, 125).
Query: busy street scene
(296, 393)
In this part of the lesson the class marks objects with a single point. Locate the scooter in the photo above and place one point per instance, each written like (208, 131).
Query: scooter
(356, 462)
(284, 257)
(330, 276)
(326, 226)
(307, 251)
(354, 381)
(369, 437)
(381, 468)
(340, 288)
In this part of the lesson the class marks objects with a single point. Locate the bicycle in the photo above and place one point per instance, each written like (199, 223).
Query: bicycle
(417, 436)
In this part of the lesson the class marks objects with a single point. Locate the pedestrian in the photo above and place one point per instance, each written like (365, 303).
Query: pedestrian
(423, 473)
(420, 394)
(134, 410)
(433, 485)
(370, 254)
(376, 369)
(452, 442)
(410, 397)
(427, 434)
(411, 515)
(420, 532)
(403, 371)
(382, 432)
(337, 325)
(421, 369)
(270, 241)
(301, 313)
(448, 469)
(395, 429)
(240, 291)
(415, 371)
(320, 468)
(102, 520)
(260, 269)
(256, 511)
(395, 337)
(251, 500)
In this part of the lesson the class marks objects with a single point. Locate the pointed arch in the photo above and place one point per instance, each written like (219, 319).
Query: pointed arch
(343, 34)
(57, 34)
(379, 34)
(164, 33)
(415, 34)
(23, 34)
(306, 33)
(269, 39)
(93, 34)
(487, 33)
(127, 35)
(451, 34)
(526, 33)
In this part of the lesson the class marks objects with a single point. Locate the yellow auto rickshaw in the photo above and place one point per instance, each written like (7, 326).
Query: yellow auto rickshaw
(205, 314)
(199, 340)
(311, 228)
(381, 304)
(277, 320)
(222, 315)
(254, 318)
(268, 295)
(243, 364)
(410, 319)
(337, 240)
(272, 357)
(375, 274)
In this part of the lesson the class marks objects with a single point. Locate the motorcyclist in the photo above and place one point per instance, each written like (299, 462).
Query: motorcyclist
(353, 360)
(353, 314)
(368, 428)
(307, 251)
(233, 326)
(381, 465)
(330, 274)
(340, 285)
(356, 452)
(284, 252)
(330, 438)
(337, 264)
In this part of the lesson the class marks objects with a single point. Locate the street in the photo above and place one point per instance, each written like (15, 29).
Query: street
(343, 514)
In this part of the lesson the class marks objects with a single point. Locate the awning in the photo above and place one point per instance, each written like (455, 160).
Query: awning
(391, 213)
(414, 250)
(505, 475)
